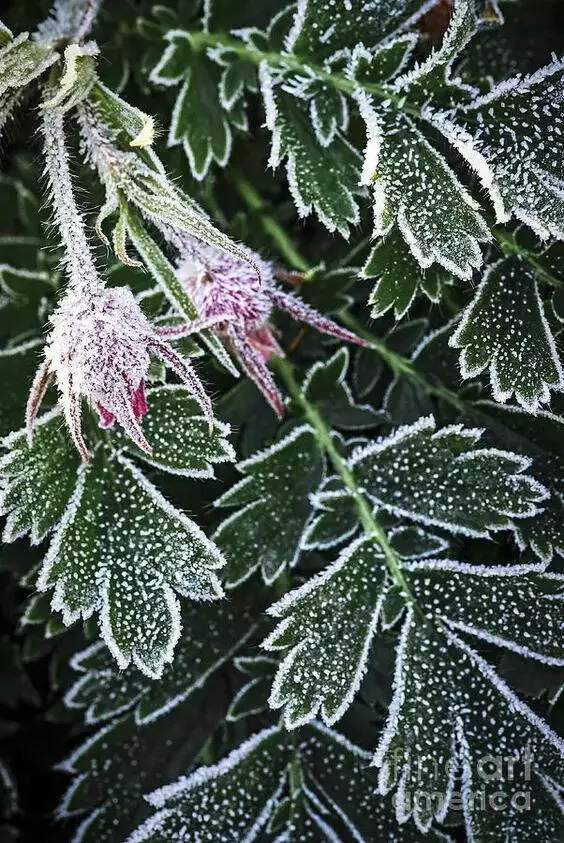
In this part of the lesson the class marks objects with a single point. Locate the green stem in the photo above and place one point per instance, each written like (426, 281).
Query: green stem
(285, 61)
(270, 226)
(508, 245)
(367, 518)
(402, 366)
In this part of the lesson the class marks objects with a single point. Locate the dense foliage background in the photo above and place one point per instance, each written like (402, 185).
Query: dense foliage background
(400, 379)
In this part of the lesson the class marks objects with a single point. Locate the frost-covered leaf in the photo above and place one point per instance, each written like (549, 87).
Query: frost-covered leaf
(512, 139)
(322, 28)
(39, 479)
(252, 697)
(415, 189)
(312, 789)
(180, 436)
(320, 179)
(505, 328)
(441, 478)
(228, 801)
(77, 77)
(326, 387)
(209, 638)
(340, 773)
(415, 543)
(511, 607)
(238, 76)
(335, 518)
(543, 441)
(120, 763)
(23, 60)
(382, 63)
(328, 111)
(467, 720)
(268, 530)
(432, 80)
(328, 625)
(399, 276)
(198, 121)
(122, 550)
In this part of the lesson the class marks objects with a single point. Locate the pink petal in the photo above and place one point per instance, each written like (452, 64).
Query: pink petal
(140, 400)
(186, 374)
(255, 367)
(304, 313)
(264, 342)
(106, 418)
(125, 415)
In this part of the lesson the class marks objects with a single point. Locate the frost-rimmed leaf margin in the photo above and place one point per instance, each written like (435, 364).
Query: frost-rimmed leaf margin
(275, 641)
(204, 775)
(91, 718)
(463, 339)
(100, 602)
(229, 498)
(11, 508)
(427, 424)
(224, 452)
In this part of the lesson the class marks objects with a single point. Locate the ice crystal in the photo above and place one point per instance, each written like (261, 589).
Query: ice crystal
(100, 349)
(237, 306)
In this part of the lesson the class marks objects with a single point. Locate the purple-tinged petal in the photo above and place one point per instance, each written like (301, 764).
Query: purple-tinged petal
(39, 386)
(186, 374)
(304, 313)
(71, 409)
(106, 419)
(126, 417)
(254, 365)
(177, 331)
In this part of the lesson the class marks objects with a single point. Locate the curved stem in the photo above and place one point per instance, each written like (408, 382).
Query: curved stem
(286, 61)
(367, 518)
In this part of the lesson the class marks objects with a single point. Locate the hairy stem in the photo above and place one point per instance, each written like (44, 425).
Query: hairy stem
(79, 263)
(367, 518)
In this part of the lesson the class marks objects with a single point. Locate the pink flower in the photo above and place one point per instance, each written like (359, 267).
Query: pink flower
(232, 302)
(100, 348)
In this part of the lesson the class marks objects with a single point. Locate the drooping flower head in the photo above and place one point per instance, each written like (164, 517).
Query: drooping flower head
(237, 306)
(100, 349)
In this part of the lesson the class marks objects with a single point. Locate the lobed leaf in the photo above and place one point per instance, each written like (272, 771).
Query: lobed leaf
(180, 436)
(198, 119)
(320, 179)
(400, 277)
(440, 478)
(267, 532)
(327, 625)
(320, 29)
(39, 479)
(122, 550)
(415, 189)
(511, 137)
(467, 720)
(505, 328)
(228, 801)
(209, 639)
(325, 386)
